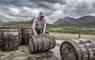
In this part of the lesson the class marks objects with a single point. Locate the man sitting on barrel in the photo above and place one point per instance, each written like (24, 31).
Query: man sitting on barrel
(39, 24)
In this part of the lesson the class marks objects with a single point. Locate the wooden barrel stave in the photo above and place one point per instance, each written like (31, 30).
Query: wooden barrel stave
(14, 32)
(90, 48)
(84, 46)
(35, 44)
(9, 44)
(31, 45)
(26, 33)
(9, 39)
(77, 52)
(84, 50)
(86, 54)
(41, 44)
(46, 43)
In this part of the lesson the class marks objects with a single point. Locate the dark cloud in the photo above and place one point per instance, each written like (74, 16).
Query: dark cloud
(94, 4)
(79, 8)
(50, 1)
(42, 5)
(82, 8)
(54, 9)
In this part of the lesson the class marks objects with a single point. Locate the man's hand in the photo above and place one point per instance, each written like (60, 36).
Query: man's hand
(35, 33)
(43, 33)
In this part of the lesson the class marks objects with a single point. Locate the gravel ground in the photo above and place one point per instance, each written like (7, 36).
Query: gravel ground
(23, 54)
(54, 54)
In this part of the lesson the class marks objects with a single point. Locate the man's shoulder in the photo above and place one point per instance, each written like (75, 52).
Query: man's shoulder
(35, 19)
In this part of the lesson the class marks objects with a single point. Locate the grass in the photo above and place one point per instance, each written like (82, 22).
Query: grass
(26, 24)
(18, 25)
(72, 30)
(52, 28)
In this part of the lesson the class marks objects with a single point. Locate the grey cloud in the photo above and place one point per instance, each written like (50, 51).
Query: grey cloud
(42, 5)
(54, 9)
(50, 1)
(94, 4)
(78, 9)
(48, 5)
(6, 0)
(84, 8)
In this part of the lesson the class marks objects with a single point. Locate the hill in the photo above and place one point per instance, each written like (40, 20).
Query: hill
(84, 21)
(22, 24)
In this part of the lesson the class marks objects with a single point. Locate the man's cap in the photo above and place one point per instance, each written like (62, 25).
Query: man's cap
(41, 13)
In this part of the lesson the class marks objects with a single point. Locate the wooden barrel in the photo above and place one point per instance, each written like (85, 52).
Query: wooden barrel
(41, 43)
(78, 49)
(26, 33)
(9, 39)
(19, 36)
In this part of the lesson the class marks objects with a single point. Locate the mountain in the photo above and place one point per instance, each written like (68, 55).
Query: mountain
(68, 21)
(22, 24)
(65, 21)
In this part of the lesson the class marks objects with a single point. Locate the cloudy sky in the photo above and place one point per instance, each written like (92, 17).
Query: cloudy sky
(24, 10)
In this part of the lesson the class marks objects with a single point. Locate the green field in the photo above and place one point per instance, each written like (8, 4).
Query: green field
(53, 28)
(73, 30)
(24, 24)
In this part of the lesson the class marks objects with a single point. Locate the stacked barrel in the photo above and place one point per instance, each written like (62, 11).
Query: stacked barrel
(78, 49)
(9, 39)
(41, 43)
(26, 33)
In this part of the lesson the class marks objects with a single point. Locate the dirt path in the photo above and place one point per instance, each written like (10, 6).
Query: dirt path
(54, 54)
(71, 36)
(23, 54)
